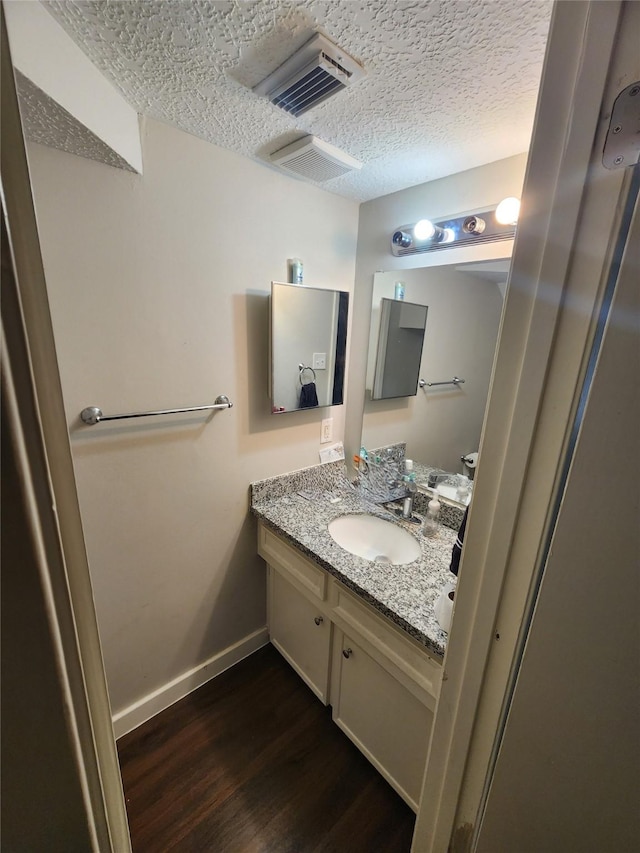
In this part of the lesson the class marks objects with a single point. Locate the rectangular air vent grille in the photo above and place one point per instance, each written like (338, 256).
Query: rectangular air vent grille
(314, 73)
(316, 86)
(315, 159)
(315, 166)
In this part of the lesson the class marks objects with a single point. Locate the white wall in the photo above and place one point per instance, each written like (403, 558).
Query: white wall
(156, 303)
(439, 425)
(460, 193)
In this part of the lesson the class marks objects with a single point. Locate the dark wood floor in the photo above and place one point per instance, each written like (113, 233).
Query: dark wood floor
(252, 763)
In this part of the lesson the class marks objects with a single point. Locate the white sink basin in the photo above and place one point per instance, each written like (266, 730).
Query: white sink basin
(374, 539)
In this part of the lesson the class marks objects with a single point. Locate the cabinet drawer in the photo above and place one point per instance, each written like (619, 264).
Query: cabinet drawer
(301, 633)
(384, 720)
(388, 645)
(289, 560)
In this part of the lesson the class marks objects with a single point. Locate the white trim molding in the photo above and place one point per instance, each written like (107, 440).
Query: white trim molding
(144, 709)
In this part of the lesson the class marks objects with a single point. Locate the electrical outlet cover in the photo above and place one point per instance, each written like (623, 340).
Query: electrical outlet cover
(319, 361)
(326, 431)
(332, 454)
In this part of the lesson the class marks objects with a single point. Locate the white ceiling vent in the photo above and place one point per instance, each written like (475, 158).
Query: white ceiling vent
(312, 158)
(316, 71)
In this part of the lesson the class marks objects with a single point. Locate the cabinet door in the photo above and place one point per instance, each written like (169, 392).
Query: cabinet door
(301, 633)
(385, 721)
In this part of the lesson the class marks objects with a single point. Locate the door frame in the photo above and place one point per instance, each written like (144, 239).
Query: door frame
(42, 453)
(571, 214)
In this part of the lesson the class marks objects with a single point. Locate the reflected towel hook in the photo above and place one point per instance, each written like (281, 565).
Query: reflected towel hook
(302, 368)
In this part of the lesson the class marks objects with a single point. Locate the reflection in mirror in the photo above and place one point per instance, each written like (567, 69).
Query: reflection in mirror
(399, 350)
(308, 345)
(443, 423)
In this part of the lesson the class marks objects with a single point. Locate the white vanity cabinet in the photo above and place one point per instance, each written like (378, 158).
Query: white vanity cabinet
(301, 632)
(382, 685)
(385, 721)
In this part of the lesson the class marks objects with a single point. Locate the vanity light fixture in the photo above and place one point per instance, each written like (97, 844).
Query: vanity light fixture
(426, 235)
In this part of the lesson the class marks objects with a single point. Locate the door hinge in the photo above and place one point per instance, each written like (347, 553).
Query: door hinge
(622, 145)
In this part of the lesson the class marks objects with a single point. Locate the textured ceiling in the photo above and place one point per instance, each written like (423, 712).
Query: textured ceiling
(449, 85)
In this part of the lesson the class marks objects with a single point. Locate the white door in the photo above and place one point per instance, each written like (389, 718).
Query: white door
(567, 773)
(566, 247)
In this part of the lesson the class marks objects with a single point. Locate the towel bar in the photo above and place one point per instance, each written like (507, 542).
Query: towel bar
(93, 415)
(454, 381)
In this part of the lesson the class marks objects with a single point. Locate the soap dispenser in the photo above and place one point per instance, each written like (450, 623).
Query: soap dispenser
(431, 525)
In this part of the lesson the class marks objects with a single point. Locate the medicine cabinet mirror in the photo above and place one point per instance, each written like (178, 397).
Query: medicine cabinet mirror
(399, 349)
(308, 346)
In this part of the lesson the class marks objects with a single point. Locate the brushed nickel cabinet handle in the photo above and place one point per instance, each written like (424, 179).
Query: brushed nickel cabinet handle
(318, 620)
(347, 653)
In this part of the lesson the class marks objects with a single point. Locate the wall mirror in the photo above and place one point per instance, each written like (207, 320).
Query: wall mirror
(444, 422)
(308, 346)
(398, 351)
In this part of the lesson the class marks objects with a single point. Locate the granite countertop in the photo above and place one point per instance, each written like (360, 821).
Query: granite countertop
(406, 594)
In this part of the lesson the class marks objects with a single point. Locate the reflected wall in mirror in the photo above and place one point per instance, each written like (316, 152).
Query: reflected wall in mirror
(441, 424)
(308, 346)
(399, 348)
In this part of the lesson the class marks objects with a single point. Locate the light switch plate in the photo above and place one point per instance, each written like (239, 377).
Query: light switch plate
(326, 432)
(319, 361)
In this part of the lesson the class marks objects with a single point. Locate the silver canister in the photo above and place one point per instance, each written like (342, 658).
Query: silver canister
(295, 270)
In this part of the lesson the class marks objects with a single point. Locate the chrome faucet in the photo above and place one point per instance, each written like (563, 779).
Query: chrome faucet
(434, 478)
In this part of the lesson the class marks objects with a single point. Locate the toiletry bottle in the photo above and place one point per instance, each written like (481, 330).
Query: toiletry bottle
(431, 525)
(464, 489)
(408, 471)
(295, 270)
(409, 480)
(399, 290)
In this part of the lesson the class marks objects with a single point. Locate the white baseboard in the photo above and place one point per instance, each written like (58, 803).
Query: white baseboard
(151, 704)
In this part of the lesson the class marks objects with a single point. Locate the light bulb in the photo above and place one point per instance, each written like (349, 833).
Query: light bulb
(448, 235)
(402, 239)
(424, 230)
(474, 225)
(507, 211)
